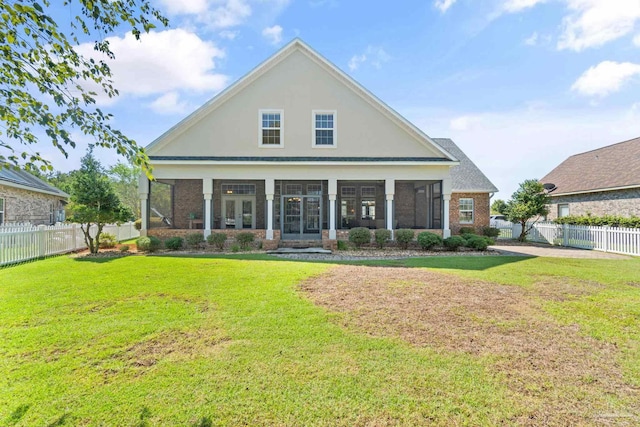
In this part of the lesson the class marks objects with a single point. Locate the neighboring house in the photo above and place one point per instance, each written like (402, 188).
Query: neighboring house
(27, 199)
(600, 182)
(298, 150)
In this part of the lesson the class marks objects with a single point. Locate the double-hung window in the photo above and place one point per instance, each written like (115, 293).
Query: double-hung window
(271, 128)
(324, 128)
(466, 211)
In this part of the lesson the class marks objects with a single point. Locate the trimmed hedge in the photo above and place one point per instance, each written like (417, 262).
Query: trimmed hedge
(148, 244)
(244, 239)
(601, 221)
(382, 236)
(428, 240)
(194, 239)
(454, 242)
(217, 240)
(174, 243)
(404, 236)
(360, 236)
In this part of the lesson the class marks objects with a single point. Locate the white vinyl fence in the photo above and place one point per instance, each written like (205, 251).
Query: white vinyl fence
(23, 242)
(607, 239)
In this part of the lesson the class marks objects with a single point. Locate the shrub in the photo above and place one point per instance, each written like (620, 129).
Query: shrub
(244, 239)
(404, 236)
(382, 236)
(235, 248)
(194, 239)
(124, 248)
(606, 220)
(138, 224)
(467, 230)
(174, 243)
(359, 236)
(342, 245)
(108, 241)
(148, 244)
(428, 240)
(454, 242)
(490, 231)
(217, 240)
(479, 243)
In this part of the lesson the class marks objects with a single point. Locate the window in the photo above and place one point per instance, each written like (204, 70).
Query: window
(271, 126)
(563, 210)
(348, 212)
(293, 189)
(315, 189)
(368, 209)
(242, 189)
(368, 192)
(466, 211)
(1, 211)
(324, 129)
(348, 191)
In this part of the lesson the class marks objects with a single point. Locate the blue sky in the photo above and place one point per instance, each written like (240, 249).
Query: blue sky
(518, 84)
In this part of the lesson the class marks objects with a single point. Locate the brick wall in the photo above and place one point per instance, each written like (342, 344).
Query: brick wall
(624, 203)
(28, 206)
(187, 199)
(481, 211)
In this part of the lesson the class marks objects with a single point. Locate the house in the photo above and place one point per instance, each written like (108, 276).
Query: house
(605, 181)
(27, 199)
(298, 150)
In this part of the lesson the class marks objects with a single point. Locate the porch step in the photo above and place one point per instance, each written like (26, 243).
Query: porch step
(300, 244)
(300, 251)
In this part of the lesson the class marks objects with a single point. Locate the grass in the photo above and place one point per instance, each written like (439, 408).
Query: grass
(231, 341)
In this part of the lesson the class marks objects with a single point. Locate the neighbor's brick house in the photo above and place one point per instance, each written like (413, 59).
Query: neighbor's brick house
(605, 181)
(27, 199)
(298, 150)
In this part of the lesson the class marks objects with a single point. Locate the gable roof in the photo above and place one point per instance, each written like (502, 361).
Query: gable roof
(18, 178)
(466, 177)
(296, 45)
(612, 167)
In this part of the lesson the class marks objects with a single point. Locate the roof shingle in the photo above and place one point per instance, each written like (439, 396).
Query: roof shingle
(466, 177)
(16, 176)
(613, 166)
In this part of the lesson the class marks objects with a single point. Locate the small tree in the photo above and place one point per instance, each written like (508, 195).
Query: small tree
(499, 206)
(529, 201)
(94, 202)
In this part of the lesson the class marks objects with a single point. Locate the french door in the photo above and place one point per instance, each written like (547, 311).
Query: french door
(301, 217)
(239, 212)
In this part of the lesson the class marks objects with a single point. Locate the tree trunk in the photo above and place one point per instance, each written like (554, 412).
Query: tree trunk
(523, 232)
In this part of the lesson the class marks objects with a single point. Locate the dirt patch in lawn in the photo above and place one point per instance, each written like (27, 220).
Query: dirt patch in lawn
(556, 373)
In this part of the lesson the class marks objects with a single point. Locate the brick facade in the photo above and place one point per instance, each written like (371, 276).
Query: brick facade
(188, 199)
(481, 211)
(624, 203)
(30, 206)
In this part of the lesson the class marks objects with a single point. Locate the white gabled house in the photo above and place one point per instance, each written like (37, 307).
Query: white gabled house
(296, 150)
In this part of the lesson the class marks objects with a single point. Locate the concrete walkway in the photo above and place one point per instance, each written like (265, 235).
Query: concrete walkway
(553, 251)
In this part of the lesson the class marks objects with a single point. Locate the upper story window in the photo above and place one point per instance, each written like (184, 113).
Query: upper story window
(271, 128)
(466, 211)
(324, 128)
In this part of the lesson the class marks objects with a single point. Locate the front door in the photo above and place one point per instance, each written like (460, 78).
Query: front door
(239, 212)
(301, 217)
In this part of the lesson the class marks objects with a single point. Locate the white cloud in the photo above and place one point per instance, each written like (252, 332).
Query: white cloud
(636, 40)
(605, 78)
(374, 55)
(594, 23)
(161, 62)
(169, 103)
(512, 146)
(513, 6)
(532, 40)
(184, 7)
(228, 34)
(273, 34)
(443, 5)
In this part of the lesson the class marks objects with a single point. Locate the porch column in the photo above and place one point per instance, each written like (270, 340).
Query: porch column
(446, 231)
(207, 191)
(143, 191)
(269, 190)
(390, 190)
(333, 192)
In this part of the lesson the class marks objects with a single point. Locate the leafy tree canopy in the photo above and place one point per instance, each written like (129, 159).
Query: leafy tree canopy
(530, 200)
(125, 183)
(499, 206)
(94, 201)
(44, 80)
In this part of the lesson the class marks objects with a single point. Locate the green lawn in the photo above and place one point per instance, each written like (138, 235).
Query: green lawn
(202, 341)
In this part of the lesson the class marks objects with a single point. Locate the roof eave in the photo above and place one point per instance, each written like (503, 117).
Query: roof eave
(595, 190)
(60, 194)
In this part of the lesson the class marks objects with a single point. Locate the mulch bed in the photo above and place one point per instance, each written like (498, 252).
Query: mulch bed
(560, 375)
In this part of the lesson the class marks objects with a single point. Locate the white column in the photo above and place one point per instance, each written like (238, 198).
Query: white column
(390, 190)
(143, 191)
(207, 192)
(446, 231)
(269, 190)
(333, 192)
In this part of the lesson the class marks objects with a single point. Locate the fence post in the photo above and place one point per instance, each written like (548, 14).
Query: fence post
(565, 235)
(74, 234)
(606, 238)
(41, 241)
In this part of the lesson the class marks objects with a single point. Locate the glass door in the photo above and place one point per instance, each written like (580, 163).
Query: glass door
(239, 212)
(292, 215)
(311, 215)
(302, 216)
